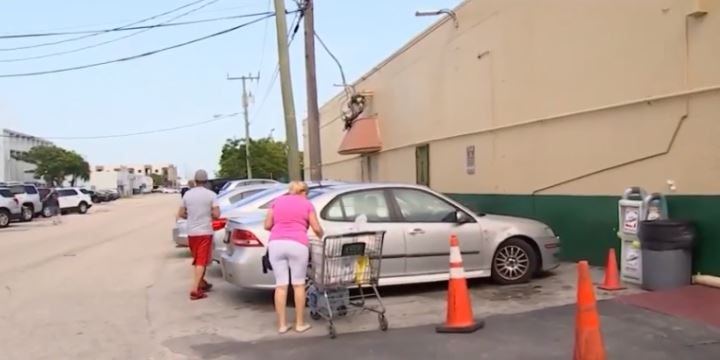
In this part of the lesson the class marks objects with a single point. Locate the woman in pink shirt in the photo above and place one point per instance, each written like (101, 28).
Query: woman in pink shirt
(288, 220)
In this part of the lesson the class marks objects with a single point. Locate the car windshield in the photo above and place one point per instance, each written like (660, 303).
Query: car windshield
(265, 193)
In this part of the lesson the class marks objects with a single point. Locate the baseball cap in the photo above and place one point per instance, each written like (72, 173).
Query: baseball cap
(201, 175)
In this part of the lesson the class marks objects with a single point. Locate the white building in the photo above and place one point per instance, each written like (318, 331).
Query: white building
(12, 144)
(166, 170)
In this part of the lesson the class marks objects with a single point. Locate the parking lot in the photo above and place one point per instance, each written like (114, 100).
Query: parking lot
(111, 285)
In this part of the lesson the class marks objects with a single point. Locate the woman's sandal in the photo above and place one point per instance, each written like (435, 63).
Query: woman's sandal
(283, 330)
(302, 329)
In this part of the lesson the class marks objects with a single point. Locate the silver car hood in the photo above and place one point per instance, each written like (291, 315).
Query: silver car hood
(501, 224)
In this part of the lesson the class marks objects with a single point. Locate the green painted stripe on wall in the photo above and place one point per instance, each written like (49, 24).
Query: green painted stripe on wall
(587, 225)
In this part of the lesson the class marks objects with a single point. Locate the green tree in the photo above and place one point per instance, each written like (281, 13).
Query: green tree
(268, 159)
(54, 164)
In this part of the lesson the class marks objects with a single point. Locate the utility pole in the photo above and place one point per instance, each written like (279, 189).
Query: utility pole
(313, 117)
(246, 104)
(287, 95)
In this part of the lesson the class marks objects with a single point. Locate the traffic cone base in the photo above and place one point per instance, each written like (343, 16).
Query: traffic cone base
(612, 277)
(459, 310)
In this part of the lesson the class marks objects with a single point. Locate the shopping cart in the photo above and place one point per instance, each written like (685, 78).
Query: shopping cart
(338, 264)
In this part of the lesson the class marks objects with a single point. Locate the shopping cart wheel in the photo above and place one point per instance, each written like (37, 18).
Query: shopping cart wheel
(331, 331)
(315, 315)
(383, 322)
(342, 310)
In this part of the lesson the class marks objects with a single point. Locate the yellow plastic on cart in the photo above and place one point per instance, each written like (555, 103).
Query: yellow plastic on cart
(360, 265)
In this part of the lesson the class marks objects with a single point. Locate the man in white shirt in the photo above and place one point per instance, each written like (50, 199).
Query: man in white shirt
(200, 209)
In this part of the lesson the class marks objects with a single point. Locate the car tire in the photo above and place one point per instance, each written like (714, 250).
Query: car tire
(47, 211)
(514, 262)
(4, 218)
(27, 213)
(83, 207)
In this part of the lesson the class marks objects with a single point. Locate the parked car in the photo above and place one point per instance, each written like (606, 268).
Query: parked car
(418, 222)
(29, 198)
(93, 195)
(259, 201)
(227, 204)
(10, 208)
(233, 184)
(73, 199)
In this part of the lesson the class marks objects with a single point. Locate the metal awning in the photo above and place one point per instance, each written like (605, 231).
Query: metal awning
(363, 137)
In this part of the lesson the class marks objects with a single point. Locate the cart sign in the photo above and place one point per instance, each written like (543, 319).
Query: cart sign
(631, 217)
(470, 160)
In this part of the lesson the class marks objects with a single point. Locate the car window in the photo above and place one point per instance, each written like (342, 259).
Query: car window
(17, 189)
(67, 192)
(6, 193)
(84, 191)
(421, 206)
(347, 207)
(30, 189)
(312, 193)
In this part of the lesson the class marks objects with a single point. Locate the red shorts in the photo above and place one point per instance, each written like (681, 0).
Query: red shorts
(200, 247)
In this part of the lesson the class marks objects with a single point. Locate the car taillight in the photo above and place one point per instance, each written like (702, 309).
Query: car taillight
(219, 224)
(244, 238)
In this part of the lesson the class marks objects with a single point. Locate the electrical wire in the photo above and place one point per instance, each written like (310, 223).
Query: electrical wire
(109, 41)
(295, 28)
(96, 34)
(264, 42)
(155, 131)
(179, 23)
(138, 56)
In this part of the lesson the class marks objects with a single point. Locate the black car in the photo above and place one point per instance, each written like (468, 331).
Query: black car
(93, 196)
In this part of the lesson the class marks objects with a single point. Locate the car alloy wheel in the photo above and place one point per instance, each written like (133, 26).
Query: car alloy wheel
(83, 208)
(4, 219)
(47, 212)
(27, 213)
(514, 262)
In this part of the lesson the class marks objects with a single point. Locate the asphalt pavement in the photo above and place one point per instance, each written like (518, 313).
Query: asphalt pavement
(111, 285)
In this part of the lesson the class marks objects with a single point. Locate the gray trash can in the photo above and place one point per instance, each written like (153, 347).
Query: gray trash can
(666, 253)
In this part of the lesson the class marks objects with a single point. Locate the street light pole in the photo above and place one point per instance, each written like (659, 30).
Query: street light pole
(246, 104)
(287, 95)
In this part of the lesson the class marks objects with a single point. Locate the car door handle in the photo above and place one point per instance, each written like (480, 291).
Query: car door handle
(416, 231)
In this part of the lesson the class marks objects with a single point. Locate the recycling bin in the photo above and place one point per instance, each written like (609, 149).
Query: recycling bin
(666, 247)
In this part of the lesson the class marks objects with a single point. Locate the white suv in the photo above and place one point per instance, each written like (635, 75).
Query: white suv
(29, 198)
(9, 207)
(72, 199)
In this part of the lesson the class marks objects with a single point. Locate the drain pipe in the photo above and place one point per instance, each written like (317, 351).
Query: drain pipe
(707, 280)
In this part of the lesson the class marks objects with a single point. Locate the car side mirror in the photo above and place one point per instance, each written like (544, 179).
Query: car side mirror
(461, 217)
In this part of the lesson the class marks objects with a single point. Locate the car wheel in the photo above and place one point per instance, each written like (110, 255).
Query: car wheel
(27, 213)
(83, 208)
(4, 218)
(514, 262)
(47, 211)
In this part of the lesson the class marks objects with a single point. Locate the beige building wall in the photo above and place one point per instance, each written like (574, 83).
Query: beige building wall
(557, 96)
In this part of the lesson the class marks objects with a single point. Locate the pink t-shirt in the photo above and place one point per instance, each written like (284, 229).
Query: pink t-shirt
(291, 218)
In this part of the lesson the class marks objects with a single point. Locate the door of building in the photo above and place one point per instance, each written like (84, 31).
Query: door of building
(422, 165)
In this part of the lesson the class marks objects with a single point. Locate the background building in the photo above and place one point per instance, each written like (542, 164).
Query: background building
(549, 110)
(12, 143)
(167, 171)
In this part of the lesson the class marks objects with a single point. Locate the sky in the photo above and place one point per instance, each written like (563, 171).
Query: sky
(184, 85)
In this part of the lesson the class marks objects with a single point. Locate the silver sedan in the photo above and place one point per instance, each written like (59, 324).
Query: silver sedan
(252, 200)
(230, 204)
(418, 223)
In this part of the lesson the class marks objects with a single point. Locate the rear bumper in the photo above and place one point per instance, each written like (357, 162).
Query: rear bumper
(549, 251)
(178, 238)
(245, 270)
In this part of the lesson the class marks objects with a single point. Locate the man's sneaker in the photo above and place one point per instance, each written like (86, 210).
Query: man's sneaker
(197, 295)
(206, 286)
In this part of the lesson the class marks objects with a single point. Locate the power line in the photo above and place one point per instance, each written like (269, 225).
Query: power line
(96, 137)
(96, 34)
(131, 28)
(108, 41)
(264, 42)
(138, 56)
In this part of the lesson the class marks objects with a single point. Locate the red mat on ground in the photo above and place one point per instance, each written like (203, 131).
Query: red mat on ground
(695, 302)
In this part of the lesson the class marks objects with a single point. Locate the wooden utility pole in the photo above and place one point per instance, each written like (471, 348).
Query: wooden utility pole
(287, 95)
(246, 104)
(313, 113)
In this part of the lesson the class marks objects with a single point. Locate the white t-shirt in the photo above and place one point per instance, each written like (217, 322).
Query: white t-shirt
(199, 202)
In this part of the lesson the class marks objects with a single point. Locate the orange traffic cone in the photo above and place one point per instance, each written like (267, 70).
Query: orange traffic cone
(459, 310)
(612, 278)
(588, 338)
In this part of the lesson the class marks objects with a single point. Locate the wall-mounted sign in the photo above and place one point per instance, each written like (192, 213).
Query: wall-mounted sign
(470, 160)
